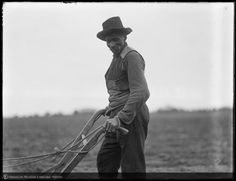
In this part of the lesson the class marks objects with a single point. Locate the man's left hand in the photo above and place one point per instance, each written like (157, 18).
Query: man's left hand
(112, 124)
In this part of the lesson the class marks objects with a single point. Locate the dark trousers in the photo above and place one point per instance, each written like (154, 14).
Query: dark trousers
(126, 151)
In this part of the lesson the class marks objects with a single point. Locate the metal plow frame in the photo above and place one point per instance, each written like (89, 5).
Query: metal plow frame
(72, 157)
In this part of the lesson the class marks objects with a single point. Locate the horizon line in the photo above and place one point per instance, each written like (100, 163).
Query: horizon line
(83, 110)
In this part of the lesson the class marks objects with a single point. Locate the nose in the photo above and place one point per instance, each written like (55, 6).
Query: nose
(111, 44)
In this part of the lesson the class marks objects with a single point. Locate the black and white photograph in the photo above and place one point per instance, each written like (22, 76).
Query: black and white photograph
(117, 90)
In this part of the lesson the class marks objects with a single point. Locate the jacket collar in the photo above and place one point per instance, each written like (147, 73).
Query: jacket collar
(125, 50)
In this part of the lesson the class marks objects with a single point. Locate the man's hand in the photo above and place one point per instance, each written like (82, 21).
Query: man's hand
(111, 125)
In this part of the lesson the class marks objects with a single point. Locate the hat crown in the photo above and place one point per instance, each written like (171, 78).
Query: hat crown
(112, 23)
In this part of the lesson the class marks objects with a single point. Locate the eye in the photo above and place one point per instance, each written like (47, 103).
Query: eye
(113, 39)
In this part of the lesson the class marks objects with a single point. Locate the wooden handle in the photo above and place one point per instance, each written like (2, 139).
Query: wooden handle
(123, 130)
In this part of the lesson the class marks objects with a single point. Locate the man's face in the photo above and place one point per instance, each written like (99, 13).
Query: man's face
(115, 43)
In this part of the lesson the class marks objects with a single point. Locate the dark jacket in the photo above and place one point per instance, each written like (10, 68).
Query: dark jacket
(126, 85)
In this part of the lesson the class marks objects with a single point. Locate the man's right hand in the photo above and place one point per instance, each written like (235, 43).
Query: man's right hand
(112, 124)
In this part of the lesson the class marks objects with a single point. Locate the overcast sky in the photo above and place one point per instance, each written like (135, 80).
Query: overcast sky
(53, 61)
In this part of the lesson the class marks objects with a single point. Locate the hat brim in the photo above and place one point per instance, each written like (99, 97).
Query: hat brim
(123, 31)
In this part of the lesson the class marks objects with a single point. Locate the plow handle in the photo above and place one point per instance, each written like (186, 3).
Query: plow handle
(123, 130)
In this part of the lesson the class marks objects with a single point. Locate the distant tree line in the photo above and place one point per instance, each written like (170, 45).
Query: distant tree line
(174, 109)
(167, 109)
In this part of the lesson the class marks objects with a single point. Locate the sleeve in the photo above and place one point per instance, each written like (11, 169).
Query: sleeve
(139, 92)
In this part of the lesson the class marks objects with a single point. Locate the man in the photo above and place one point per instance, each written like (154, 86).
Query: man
(128, 92)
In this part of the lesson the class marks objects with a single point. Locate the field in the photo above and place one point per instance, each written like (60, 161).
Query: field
(178, 141)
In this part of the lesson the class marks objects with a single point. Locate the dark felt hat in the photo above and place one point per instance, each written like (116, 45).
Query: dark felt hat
(113, 26)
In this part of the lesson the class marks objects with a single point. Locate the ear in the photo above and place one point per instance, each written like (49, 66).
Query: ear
(124, 37)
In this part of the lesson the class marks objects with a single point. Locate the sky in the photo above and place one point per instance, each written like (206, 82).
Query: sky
(53, 61)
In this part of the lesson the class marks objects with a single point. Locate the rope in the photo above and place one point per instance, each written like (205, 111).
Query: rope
(53, 153)
(56, 156)
(85, 152)
(95, 130)
(80, 152)
(38, 156)
(25, 162)
(45, 156)
(30, 157)
(72, 141)
(83, 128)
(60, 152)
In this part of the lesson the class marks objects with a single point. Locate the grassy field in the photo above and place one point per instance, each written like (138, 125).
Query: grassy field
(198, 141)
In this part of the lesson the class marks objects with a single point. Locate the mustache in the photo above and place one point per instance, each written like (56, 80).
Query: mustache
(114, 48)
